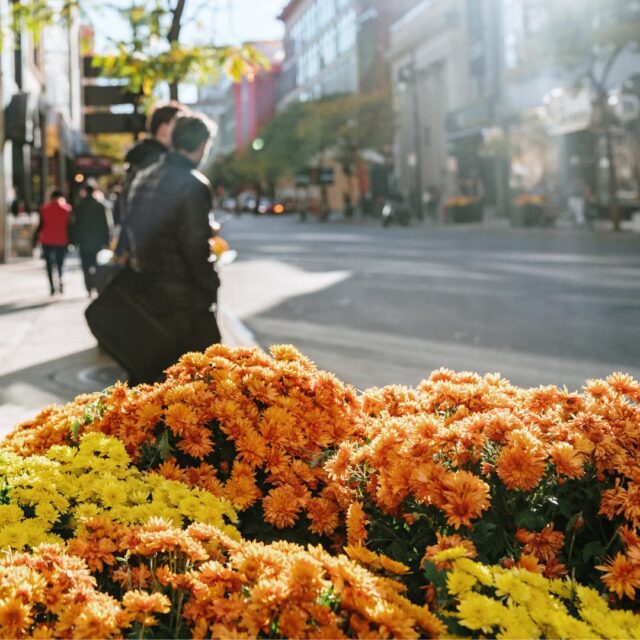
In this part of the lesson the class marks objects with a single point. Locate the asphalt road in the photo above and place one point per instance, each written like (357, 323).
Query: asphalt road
(380, 306)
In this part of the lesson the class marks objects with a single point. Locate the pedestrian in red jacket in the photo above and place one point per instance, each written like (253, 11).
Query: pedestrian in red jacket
(53, 233)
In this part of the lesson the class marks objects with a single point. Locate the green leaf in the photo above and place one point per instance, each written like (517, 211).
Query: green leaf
(74, 429)
(434, 575)
(165, 450)
(529, 520)
(591, 550)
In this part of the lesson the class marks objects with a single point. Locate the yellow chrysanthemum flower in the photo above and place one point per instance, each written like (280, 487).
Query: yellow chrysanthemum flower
(10, 513)
(451, 554)
(460, 582)
(112, 493)
(480, 613)
(480, 572)
(509, 585)
(13, 536)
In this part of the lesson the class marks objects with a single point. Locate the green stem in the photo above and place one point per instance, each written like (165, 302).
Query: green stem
(178, 621)
(573, 539)
(613, 537)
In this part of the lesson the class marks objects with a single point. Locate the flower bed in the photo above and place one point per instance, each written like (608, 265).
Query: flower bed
(178, 509)
(240, 424)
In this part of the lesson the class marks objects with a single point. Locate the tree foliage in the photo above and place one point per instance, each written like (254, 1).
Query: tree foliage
(308, 134)
(154, 52)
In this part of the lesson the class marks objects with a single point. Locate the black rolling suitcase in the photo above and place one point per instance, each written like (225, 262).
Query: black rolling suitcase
(132, 324)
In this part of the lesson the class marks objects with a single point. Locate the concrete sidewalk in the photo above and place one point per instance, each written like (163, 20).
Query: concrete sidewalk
(47, 353)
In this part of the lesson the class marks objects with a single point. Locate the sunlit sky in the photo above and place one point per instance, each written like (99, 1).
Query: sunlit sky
(213, 22)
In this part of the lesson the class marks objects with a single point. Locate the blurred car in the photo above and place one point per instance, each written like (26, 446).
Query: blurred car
(269, 207)
(229, 204)
(264, 206)
(247, 201)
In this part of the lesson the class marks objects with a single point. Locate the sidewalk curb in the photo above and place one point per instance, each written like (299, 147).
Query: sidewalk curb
(238, 334)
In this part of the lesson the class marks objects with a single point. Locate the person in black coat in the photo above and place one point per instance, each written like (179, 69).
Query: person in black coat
(169, 205)
(90, 233)
(145, 153)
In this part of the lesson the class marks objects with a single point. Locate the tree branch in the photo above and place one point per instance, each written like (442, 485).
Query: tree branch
(609, 65)
(176, 21)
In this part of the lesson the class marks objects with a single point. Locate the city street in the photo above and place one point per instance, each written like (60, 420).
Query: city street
(379, 306)
(376, 306)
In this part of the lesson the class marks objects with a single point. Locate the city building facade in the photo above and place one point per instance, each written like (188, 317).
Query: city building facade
(320, 50)
(430, 78)
(255, 97)
(42, 107)
(482, 112)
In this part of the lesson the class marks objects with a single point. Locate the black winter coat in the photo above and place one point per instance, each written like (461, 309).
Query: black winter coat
(89, 226)
(143, 155)
(168, 219)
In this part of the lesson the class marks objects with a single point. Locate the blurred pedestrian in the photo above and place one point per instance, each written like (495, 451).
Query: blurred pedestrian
(53, 233)
(145, 153)
(577, 200)
(169, 205)
(90, 233)
(431, 199)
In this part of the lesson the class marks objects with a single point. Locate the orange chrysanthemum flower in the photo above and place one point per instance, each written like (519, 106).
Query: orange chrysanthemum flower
(241, 488)
(545, 545)
(196, 443)
(170, 470)
(530, 563)
(323, 515)
(569, 462)
(465, 498)
(375, 560)
(522, 462)
(251, 448)
(95, 551)
(141, 605)
(180, 418)
(356, 524)
(15, 617)
(281, 507)
(621, 576)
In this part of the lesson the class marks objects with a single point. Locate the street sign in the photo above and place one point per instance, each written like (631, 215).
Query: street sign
(107, 95)
(113, 123)
(326, 175)
(91, 165)
(567, 112)
(302, 179)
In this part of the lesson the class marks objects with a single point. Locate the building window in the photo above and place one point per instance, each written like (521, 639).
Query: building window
(329, 47)
(347, 31)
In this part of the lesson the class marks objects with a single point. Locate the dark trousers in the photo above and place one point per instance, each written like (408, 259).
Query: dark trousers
(88, 260)
(54, 256)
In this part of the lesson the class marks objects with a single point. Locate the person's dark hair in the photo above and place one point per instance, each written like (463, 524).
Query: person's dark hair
(89, 188)
(56, 193)
(163, 114)
(189, 132)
